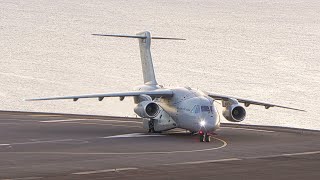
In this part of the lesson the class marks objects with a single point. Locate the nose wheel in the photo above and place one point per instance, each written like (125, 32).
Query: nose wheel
(204, 137)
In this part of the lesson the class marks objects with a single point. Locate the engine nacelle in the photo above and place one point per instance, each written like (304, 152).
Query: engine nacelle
(147, 109)
(234, 113)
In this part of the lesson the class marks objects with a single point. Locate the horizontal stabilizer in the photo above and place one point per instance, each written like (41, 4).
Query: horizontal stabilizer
(136, 36)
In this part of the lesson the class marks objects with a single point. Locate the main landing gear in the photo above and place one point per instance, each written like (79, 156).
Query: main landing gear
(204, 137)
(151, 127)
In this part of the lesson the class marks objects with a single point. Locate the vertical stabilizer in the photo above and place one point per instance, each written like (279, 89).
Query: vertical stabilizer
(145, 53)
(146, 59)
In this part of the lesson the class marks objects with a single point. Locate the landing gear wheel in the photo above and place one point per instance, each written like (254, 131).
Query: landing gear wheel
(151, 127)
(207, 138)
(202, 138)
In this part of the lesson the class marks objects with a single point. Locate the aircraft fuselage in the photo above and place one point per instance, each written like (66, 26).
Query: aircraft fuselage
(191, 109)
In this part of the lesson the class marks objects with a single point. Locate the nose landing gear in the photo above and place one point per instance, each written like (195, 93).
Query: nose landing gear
(204, 137)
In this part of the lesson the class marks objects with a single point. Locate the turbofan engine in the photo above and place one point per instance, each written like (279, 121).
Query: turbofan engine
(233, 111)
(147, 109)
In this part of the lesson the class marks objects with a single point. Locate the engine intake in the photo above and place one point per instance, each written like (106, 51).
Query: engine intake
(147, 109)
(234, 113)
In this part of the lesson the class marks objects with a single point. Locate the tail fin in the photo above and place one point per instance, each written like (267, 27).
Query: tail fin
(145, 54)
(146, 59)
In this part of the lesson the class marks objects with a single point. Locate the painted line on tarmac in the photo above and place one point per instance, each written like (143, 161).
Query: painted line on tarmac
(60, 120)
(133, 135)
(204, 162)
(284, 155)
(45, 115)
(20, 120)
(103, 120)
(24, 178)
(224, 144)
(302, 153)
(11, 124)
(248, 129)
(38, 142)
(243, 158)
(104, 171)
(117, 125)
(4, 144)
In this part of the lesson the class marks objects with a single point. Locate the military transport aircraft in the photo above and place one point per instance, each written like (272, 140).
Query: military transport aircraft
(183, 107)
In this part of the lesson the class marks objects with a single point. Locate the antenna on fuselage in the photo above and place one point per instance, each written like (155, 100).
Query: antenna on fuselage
(145, 53)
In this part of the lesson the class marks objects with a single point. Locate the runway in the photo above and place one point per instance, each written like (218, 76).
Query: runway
(62, 146)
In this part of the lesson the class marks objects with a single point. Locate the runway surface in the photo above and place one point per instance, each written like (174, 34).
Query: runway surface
(59, 146)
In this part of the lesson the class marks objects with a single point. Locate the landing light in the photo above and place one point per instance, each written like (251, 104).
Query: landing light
(202, 123)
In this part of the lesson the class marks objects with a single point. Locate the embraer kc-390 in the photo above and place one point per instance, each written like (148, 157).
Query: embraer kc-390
(183, 107)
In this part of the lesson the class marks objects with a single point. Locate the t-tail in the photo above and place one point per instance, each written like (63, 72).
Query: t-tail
(145, 54)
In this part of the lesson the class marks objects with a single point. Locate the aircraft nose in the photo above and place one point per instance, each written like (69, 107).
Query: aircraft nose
(210, 123)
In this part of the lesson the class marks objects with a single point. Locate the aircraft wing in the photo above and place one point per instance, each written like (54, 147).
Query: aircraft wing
(248, 102)
(155, 93)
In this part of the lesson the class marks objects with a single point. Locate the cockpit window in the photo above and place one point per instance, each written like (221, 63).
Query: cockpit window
(196, 109)
(205, 109)
(211, 109)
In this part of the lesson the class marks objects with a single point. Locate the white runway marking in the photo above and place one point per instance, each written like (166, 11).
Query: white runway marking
(38, 142)
(284, 155)
(57, 121)
(133, 135)
(24, 178)
(77, 122)
(224, 144)
(244, 158)
(302, 153)
(104, 171)
(4, 144)
(11, 124)
(103, 120)
(248, 129)
(206, 161)
(45, 115)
